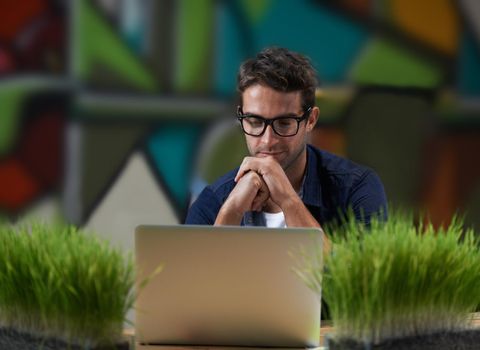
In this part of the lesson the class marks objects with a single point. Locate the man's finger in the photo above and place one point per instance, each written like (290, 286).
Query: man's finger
(262, 196)
(242, 170)
(248, 163)
(258, 203)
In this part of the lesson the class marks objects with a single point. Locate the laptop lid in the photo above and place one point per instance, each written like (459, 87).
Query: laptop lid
(225, 286)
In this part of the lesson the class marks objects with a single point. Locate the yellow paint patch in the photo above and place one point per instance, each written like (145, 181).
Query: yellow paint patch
(434, 22)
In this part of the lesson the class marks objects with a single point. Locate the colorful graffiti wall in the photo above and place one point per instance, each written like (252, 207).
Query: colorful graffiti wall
(115, 113)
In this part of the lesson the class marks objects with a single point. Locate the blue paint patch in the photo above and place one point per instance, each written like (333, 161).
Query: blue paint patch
(172, 149)
(133, 24)
(469, 67)
(331, 41)
(229, 47)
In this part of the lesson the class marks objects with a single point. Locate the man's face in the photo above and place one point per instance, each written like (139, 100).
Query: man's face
(268, 103)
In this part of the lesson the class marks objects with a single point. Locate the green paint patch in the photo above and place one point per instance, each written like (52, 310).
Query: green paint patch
(194, 41)
(13, 94)
(98, 45)
(333, 103)
(10, 106)
(256, 9)
(226, 154)
(384, 63)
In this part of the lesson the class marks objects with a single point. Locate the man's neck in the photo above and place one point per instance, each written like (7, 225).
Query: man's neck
(296, 171)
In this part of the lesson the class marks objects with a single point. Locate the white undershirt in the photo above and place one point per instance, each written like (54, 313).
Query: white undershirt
(275, 219)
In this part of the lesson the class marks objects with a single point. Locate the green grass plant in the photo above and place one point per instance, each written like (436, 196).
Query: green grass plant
(56, 281)
(396, 279)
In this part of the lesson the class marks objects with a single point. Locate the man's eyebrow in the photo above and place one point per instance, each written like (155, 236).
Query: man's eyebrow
(291, 114)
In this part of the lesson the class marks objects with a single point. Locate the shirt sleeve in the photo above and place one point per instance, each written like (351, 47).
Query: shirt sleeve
(368, 198)
(204, 210)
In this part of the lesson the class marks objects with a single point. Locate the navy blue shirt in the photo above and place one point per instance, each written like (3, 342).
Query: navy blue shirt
(331, 186)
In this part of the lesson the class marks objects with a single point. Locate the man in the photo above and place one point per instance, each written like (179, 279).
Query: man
(285, 182)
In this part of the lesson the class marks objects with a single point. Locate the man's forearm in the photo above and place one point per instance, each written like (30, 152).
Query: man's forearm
(227, 216)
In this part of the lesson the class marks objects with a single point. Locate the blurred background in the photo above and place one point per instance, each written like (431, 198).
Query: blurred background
(115, 113)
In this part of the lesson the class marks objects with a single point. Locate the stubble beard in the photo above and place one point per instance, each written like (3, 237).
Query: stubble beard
(287, 163)
(294, 159)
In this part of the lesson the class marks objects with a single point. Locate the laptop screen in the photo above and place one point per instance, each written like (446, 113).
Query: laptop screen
(225, 286)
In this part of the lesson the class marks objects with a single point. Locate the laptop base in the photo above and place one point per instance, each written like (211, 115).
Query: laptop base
(204, 347)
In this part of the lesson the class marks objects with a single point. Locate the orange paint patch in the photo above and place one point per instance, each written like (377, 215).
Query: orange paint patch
(435, 22)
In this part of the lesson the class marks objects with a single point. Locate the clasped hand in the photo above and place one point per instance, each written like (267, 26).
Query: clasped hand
(258, 181)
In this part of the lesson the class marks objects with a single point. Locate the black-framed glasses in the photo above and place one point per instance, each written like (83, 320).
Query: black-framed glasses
(284, 126)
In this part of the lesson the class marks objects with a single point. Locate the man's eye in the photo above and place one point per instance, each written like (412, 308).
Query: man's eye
(285, 123)
(254, 122)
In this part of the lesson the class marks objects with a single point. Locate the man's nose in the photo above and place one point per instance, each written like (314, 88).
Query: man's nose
(269, 137)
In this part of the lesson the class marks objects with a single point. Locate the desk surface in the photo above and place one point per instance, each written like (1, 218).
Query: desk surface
(324, 330)
(166, 347)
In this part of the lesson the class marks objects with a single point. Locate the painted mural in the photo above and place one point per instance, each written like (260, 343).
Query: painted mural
(115, 113)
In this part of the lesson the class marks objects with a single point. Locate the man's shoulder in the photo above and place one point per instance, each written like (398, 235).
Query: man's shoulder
(225, 183)
(205, 207)
(334, 165)
(344, 184)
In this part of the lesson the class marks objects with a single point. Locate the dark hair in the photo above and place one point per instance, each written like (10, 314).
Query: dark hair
(282, 70)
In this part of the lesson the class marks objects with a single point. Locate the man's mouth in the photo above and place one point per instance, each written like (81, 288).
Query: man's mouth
(268, 153)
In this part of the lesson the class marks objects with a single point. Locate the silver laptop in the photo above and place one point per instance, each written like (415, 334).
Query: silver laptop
(225, 287)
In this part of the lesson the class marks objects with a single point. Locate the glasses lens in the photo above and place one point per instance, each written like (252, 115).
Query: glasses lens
(253, 125)
(285, 126)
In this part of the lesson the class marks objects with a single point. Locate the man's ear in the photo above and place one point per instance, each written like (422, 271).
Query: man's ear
(313, 118)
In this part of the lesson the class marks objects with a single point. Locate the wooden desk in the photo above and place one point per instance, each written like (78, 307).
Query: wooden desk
(129, 335)
(324, 330)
